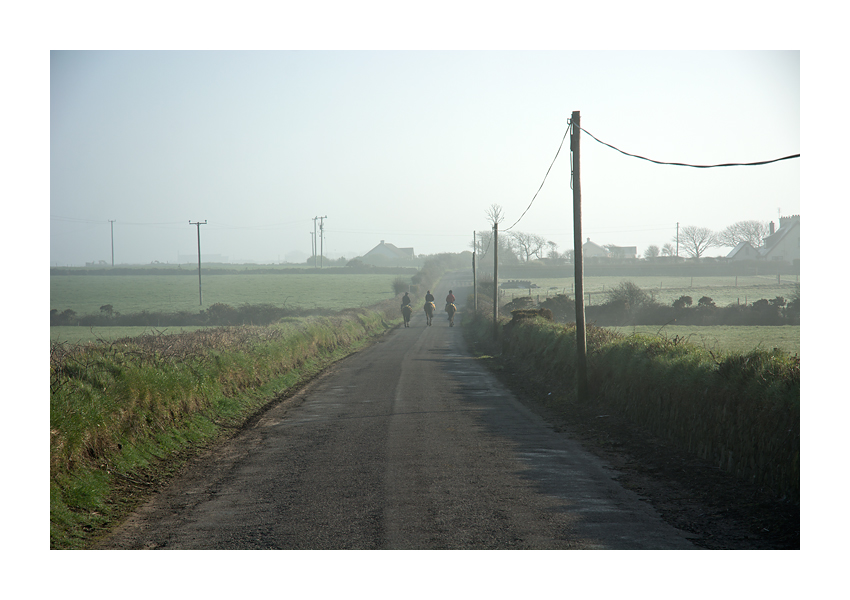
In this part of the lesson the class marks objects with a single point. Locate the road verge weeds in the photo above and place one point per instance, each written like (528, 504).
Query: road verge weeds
(127, 413)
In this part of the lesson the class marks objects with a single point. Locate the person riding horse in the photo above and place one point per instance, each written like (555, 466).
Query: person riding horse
(429, 306)
(450, 307)
(406, 309)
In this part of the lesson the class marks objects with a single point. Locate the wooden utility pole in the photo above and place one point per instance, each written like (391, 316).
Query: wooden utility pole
(198, 225)
(322, 241)
(474, 278)
(495, 280)
(581, 332)
(315, 243)
(112, 239)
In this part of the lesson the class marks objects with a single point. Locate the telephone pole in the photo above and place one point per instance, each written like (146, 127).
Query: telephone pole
(322, 240)
(495, 279)
(474, 278)
(581, 332)
(198, 225)
(112, 237)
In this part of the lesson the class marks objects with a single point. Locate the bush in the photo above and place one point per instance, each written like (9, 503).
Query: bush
(400, 285)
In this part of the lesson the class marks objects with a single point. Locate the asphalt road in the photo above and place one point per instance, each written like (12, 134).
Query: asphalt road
(408, 444)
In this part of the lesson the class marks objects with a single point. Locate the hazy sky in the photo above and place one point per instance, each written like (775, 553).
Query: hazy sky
(411, 147)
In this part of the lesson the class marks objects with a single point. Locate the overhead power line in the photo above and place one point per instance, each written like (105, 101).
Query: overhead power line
(544, 177)
(678, 164)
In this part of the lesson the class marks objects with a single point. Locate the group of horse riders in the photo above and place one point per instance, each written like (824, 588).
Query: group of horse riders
(429, 299)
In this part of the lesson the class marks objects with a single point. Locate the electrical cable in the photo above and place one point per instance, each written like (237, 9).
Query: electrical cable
(544, 178)
(659, 162)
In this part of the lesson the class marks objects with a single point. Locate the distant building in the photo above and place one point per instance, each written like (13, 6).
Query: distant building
(623, 251)
(782, 244)
(785, 243)
(743, 251)
(385, 253)
(591, 249)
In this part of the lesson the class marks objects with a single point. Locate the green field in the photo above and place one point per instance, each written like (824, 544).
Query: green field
(725, 339)
(723, 290)
(85, 294)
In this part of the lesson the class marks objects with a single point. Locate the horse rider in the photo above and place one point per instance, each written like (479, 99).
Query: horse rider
(405, 301)
(429, 297)
(450, 299)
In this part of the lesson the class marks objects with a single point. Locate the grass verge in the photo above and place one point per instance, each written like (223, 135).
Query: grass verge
(126, 414)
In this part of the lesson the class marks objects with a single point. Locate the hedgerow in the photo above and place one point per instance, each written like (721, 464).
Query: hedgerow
(740, 410)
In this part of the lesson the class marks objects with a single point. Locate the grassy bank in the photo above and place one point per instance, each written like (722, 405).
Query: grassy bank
(740, 410)
(125, 413)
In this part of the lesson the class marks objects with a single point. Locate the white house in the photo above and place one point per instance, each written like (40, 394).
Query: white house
(385, 253)
(785, 243)
(590, 249)
(782, 244)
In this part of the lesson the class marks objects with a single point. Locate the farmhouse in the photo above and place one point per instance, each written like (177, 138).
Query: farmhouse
(782, 244)
(385, 253)
(591, 249)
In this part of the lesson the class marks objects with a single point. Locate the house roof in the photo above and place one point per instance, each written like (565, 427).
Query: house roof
(385, 249)
(773, 241)
(742, 248)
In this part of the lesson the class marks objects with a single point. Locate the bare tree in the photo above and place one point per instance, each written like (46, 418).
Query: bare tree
(652, 252)
(753, 232)
(527, 245)
(495, 214)
(485, 248)
(668, 250)
(696, 240)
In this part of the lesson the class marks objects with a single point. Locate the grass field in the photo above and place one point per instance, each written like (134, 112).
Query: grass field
(723, 339)
(723, 290)
(85, 294)
(81, 335)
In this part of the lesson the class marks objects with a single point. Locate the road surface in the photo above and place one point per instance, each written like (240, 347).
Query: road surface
(408, 444)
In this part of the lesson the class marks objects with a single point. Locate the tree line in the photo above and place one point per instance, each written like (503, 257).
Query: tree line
(517, 247)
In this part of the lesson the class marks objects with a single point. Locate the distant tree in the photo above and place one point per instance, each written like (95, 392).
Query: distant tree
(629, 294)
(652, 252)
(753, 232)
(706, 302)
(527, 245)
(485, 248)
(553, 251)
(683, 301)
(668, 250)
(696, 240)
(495, 214)
(106, 309)
(400, 285)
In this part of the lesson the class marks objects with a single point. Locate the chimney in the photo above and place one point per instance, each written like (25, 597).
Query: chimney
(771, 228)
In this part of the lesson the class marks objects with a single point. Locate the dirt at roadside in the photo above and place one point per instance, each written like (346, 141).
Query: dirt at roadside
(719, 510)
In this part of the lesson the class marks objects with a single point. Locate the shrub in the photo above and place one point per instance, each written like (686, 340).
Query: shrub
(683, 301)
(400, 285)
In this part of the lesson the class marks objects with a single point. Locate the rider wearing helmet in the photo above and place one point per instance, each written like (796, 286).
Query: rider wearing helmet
(429, 297)
(405, 301)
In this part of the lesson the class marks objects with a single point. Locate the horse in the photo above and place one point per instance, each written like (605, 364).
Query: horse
(451, 308)
(406, 311)
(429, 311)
